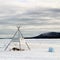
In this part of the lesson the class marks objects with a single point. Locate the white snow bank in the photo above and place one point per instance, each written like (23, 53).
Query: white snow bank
(39, 51)
(29, 55)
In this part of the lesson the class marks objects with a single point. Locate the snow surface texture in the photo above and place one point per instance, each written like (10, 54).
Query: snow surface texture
(39, 50)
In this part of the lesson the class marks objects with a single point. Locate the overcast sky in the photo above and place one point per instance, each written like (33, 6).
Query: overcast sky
(33, 15)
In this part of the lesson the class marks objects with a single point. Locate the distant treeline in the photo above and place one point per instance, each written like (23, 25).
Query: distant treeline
(46, 35)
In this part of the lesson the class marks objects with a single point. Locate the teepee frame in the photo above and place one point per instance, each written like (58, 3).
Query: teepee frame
(20, 35)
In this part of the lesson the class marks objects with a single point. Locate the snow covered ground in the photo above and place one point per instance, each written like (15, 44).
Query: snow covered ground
(39, 50)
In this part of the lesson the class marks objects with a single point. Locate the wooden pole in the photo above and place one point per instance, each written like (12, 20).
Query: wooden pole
(19, 37)
(10, 42)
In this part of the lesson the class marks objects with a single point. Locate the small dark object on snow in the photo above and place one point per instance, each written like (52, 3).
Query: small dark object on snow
(17, 49)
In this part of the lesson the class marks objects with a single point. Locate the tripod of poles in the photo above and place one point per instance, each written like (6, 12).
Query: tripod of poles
(20, 37)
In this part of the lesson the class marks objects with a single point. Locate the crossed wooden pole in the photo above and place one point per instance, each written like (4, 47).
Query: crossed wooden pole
(20, 35)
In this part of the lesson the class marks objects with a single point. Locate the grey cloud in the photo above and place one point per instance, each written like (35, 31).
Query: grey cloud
(45, 12)
(40, 15)
(31, 17)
